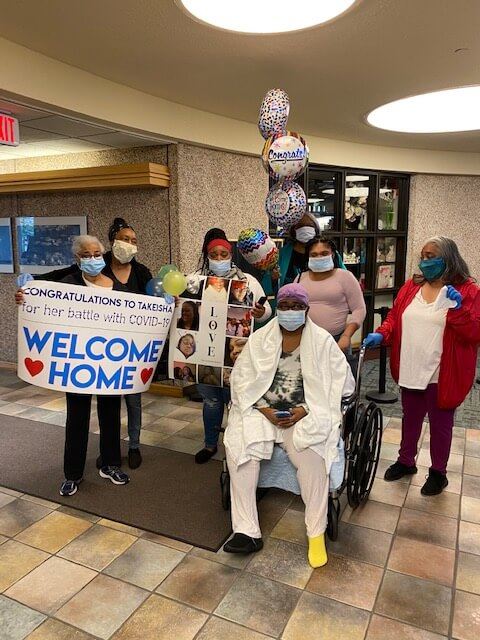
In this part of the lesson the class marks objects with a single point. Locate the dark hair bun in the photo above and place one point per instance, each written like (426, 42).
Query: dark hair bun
(117, 224)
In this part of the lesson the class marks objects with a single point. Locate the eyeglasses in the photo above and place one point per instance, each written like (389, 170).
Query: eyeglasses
(294, 306)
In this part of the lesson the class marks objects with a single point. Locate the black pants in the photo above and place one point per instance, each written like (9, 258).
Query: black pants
(77, 427)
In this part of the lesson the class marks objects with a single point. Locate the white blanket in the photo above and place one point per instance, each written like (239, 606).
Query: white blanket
(326, 378)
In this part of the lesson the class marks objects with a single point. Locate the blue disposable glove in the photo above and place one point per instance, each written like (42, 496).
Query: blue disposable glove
(373, 340)
(456, 296)
(23, 278)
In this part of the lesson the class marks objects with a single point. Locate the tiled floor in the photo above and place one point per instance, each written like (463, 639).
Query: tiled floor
(404, 566)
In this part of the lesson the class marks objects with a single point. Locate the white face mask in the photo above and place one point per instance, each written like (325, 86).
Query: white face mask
(123, 251)
(304, 234)
(321, 264)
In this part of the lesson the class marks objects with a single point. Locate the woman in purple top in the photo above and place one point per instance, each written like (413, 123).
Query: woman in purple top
(335, 293)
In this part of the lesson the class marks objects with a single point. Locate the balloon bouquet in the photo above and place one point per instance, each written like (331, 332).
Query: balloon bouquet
(285, 158)
(169, 282)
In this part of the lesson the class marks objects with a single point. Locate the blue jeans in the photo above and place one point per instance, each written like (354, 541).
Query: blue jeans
(214, 401)
(134, 411)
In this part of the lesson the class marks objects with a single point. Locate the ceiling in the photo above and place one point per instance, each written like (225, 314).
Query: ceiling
(379, 51)
(45, 134)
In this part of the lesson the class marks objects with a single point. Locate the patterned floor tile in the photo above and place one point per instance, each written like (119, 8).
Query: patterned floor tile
(97, 547)
(470, 509)
(469, 537)
(389, 492)
(162, 619)
(291, 527)
(428, 527)
(64, 580)
(184, 445)
(340, 578)
(471, 486)
(382, 628)
(235, 560)
(16, 560)
(16, 620)
(415, 601)
(168, 542)
(422, 560)
(445, 504)
(258, 603)
(145, 564)
(374, 515)
(198, 582)
(55, 630)
(316, 617)
(53, 532)
(466, 616)
(5, 499)
(102, 606)
(218, 629)
(282, 561)
(18, 515)
(472, 466)
(468, 573)
(360, 543)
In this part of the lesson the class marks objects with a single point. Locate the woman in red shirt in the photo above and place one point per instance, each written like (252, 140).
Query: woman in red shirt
(434, 332)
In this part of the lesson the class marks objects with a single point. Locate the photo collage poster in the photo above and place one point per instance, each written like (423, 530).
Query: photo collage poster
(209, 330)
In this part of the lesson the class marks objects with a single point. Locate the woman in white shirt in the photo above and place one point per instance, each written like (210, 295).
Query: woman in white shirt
(216, 262)
(434, 333)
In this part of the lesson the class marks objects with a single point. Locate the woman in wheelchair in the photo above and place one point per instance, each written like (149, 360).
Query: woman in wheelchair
(287, 387)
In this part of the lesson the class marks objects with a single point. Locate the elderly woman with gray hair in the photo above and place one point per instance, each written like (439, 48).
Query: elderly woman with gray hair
(434, 333)
(88, 253)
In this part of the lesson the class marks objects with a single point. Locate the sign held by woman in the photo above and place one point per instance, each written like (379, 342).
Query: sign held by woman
(99, 342)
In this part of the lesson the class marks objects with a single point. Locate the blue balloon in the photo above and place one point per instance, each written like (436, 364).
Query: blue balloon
(155, 288)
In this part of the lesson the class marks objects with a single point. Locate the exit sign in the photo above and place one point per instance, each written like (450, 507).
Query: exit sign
(9, 131)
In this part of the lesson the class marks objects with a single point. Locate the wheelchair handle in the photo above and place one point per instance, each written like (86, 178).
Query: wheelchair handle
(361, 357)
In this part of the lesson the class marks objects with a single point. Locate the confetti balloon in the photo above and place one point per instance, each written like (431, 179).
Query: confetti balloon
(286, 203)
(258, 249)
(274, 113)
(285, 155)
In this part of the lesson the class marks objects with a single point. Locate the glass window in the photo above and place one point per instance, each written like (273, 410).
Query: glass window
(322, 189)
(388, 198)
(357, 189)
(355, 257)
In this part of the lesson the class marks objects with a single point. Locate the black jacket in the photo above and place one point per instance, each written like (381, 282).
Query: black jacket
(141, 272)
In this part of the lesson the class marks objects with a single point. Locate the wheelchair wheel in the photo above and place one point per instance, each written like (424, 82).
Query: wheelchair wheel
(364, 453)
(225, 487)
(332, 518)
(369, 452)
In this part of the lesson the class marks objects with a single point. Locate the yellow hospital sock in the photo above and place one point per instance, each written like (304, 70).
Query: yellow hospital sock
(317, 553)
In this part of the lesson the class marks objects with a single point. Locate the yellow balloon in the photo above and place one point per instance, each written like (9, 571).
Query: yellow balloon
(174, 283)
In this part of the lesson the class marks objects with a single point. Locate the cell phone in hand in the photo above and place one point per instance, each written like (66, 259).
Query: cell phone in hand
(283, 414)
(261, 301)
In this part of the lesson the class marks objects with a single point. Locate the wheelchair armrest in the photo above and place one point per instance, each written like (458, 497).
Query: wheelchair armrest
(348, 402)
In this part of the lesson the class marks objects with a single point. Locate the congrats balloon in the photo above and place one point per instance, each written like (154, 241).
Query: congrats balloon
(285, 155)
(258, 249)
(286, 203)
(274, 113)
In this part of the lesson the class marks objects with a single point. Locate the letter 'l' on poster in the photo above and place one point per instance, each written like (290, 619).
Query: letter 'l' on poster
(93, 341)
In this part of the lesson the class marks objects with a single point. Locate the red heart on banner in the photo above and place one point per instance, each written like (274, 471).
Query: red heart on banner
(33, 366)
(146, 374)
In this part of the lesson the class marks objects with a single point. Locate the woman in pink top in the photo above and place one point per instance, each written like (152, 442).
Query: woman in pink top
(334, 292)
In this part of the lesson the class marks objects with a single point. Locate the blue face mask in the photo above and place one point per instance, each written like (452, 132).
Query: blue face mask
(432, 269)
(92, 266)
(291, 320)
(321, 264)
(220, 267)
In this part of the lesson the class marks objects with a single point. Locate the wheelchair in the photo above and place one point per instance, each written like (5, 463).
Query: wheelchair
(361, 433)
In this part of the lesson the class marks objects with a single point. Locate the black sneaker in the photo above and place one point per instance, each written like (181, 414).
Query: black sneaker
(398, 470)
(204, 455)
(435, 484)
(99, 462)
(134, 458)
(69, 487)
(115, 474)
(240, 543)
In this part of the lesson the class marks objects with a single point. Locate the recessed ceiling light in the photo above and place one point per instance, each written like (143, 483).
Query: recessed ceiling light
(438, 112)
(265, 16)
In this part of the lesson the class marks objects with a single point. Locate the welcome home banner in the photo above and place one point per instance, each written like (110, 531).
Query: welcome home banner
(90, 340)
(210, 327)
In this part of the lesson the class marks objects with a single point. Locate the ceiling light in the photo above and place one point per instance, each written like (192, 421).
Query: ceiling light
(264, 16)
(438, 112)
